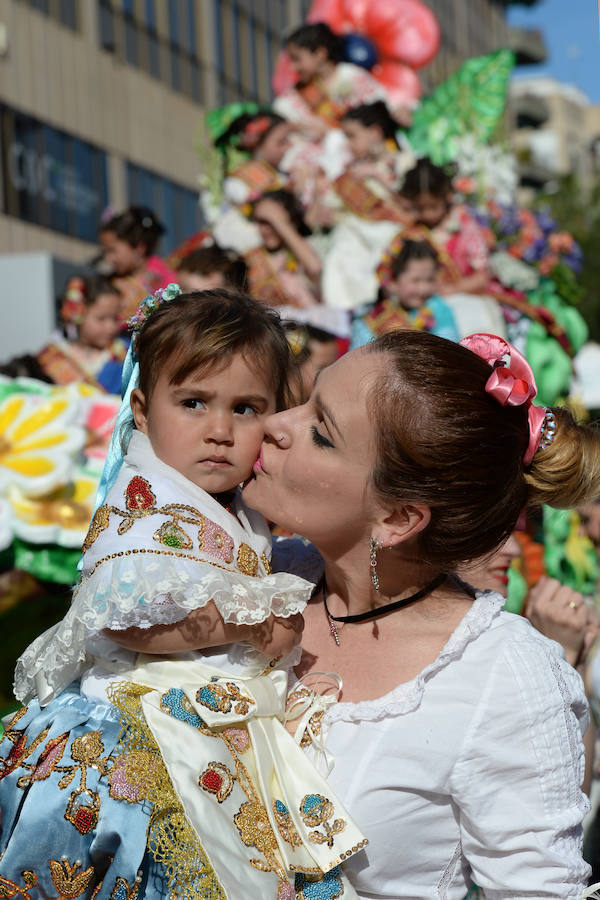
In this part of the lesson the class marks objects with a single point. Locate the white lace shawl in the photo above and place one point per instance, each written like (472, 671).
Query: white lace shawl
(158, 548)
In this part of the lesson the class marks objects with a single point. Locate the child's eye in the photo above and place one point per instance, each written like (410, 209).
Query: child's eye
(245, 409)
(193, 403)
(319, 439)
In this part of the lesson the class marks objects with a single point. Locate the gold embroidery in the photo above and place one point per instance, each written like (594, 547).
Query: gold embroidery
(83, 810)
(67, 880)
(11, 889)
(220, 698)
(255, 829)
(286, 827)
(316, 810)
(172, 841)
(99, 522)
(247, 560)
(266, 564)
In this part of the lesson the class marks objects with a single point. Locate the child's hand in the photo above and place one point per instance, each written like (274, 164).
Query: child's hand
(277, 636)
(274, 213)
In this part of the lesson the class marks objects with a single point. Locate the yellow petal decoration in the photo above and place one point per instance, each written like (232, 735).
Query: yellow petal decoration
(61, 517)
(39, 441)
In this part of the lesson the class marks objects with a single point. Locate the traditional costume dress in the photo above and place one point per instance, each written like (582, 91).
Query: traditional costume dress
(385, 316)
(464, 251)
(160, 775)
(61, 363)
(278, 279)
(327, 101)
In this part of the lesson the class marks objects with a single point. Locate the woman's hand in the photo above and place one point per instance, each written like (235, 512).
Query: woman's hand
(561, 614)
(277, 636)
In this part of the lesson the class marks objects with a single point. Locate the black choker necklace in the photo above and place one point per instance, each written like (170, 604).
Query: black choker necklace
(378, 611)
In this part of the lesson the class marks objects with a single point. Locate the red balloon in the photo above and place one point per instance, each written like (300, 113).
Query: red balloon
(405, 30)
(402, 84)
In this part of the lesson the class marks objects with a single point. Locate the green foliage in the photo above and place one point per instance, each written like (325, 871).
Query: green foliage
(578, 212)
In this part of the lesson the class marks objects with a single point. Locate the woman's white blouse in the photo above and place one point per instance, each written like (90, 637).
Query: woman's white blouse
(472, 770)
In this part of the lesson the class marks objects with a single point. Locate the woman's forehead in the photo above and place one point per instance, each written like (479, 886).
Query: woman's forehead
(348, 382)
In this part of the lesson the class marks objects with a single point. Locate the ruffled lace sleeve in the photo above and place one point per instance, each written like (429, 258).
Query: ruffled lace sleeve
(516, 782)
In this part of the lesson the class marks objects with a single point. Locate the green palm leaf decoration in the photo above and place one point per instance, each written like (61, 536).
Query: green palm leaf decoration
(471, 101)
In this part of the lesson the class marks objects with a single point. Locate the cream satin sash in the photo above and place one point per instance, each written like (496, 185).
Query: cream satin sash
(261, 810)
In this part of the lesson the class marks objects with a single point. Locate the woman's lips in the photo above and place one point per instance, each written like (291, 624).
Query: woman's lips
(258, 465)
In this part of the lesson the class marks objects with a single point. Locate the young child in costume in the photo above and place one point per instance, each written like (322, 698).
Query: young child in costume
(265, 136)
(408, 276)
(286, 270)
(464, 275)
(326, 87)
(174, 562)
(212, 267)
(129, 240)
(86, 348)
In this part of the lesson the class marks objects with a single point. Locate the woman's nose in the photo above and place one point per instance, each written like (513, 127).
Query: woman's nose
(277, 429)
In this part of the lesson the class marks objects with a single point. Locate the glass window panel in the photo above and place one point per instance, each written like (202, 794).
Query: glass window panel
(68, 14)
(107, 25)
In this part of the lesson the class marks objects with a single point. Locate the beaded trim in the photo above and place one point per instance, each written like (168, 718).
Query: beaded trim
(548, 430)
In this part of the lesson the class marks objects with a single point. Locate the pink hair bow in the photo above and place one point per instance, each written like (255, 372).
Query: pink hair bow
(512, 384)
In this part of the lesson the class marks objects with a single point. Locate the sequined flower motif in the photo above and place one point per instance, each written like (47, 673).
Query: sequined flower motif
(239, 738)
(216, 779)
(175, 703)
(316, 809)
(326, 888)
(286, 891)
(67, 879)
(39, 439)
(247, 560)
(151, 303)
(138, 494)
(220, 698)
(130, 775)
(254, 827)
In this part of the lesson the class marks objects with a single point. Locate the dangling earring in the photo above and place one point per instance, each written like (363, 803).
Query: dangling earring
(373, 559)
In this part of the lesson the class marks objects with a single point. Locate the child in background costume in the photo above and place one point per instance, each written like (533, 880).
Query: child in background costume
(465, 278)
(212, 267)
(286, 270)
(408, 276)
(266, 137)
(86, 349)
(173, 562)
(129, 240)
(327, 87)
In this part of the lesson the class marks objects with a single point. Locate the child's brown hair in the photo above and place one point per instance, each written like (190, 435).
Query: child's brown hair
(202, 328)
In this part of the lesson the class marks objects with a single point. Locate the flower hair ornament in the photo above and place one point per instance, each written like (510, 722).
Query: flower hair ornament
(130, 380)
(72, 310)
(254, 132)
(513, 384)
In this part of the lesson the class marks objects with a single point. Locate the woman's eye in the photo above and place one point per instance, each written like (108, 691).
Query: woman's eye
(319, 439)
(244, 409)
(193, 403)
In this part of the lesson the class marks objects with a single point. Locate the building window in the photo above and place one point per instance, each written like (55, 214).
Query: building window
(130, 29)
(176, 206)
(51, 178)
(63, 11)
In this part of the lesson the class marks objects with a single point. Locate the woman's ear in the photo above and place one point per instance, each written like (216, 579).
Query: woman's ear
(139, 410)
(401, 524)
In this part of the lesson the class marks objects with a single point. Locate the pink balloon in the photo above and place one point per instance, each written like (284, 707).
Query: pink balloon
(329, 11)
(402, 84)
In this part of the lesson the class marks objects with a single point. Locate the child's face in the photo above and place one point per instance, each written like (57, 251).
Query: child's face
(431, 210)
(100, 324)
(210, 427)
(306, 63)
(275, 145)
(415, 284)
(361, 139)
(121, 256)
